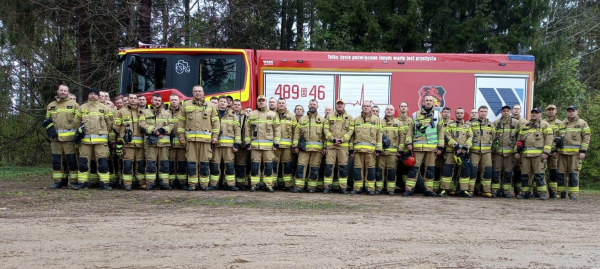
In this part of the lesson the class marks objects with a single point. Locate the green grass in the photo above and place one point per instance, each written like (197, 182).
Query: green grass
(13, 172)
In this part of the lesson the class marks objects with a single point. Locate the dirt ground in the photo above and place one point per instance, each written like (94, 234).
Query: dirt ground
(43, 228)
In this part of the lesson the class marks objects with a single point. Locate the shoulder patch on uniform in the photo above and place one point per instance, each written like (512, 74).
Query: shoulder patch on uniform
(101, 110)
(69, 107)
(395, 125)
(52, 108)
(577, 126)
(288, 118)
(373, 122)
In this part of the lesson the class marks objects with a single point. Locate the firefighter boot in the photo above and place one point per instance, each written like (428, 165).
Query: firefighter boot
(105, 186)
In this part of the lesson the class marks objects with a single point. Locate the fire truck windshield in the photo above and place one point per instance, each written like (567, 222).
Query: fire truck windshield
(147, 74)
(217, 74)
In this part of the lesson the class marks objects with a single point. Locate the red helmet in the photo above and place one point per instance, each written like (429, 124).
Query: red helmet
(409, 159)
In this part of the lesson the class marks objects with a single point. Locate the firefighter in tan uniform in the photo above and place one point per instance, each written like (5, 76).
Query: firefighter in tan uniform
(516, 114)
(484, 134)
(571, 147)
(228, 143)
(157, 126)
(308, 144)
(441, 159)
(96, 122)
(459, 136)
(130, 144)
(407, 124)
(533, 148)
(177, 159)
(503, 160)
(366, 146)
(552, 161)
(104, 98)
(241, 156)
(426, 140)
(262, 139)
(339, 128)
(198, 128)
(60, 123)
(387, 161)
(282, 160)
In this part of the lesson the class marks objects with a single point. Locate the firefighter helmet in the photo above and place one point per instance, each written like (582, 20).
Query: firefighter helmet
(409, 159)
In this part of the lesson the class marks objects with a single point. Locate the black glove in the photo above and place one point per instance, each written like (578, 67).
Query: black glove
(465, 149)
(247, 146)
(378, 151)
(143, 130)
(151, 139)
(333, 140)
(386, 141)
(276, 146)
(456, 148)
(50, 130)
(128, 137)
(236, 146)
(351, 151)
(79, 134)
(162, 131)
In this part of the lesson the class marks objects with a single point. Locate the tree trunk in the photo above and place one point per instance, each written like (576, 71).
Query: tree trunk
(145, 20)
(186, 22)
(283, 42)
(84, 50)
(300, 25)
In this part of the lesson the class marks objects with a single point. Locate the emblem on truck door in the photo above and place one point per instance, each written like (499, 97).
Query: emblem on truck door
(438, 93)
(182, 67)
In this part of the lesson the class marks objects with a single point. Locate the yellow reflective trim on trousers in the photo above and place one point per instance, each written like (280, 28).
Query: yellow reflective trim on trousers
(164, 140)
(573, 189)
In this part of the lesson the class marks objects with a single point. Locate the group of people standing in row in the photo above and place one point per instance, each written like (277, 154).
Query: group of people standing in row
(207, 145)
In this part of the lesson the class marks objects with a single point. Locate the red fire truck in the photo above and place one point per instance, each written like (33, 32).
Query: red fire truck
(455, 80)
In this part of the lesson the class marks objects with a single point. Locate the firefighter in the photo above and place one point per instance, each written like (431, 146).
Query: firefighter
(214, 101)
(130, 144)
(262, 138)
(533, 148)
(473, 115)
(241, 156)
(440, 159)
(60, 123)
(516, 114)
(387, 161)
(282, 160)
(481, 152)
(426, 140)
(198, 126)
(406, 121)
(142, 102)
(321, 181)
(339, 127)
(375, 111)
(177, 159)
(309, 131)
(96, 122)
(157, 126)
(552, 161)
(104, 98)
(459, 135)
(570, 149)
(273, 104)
(299, 112)
(228, 144)
(119, 103)
(366, 146)
(507, 129)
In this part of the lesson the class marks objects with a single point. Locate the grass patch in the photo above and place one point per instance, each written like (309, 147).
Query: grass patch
(13, 172)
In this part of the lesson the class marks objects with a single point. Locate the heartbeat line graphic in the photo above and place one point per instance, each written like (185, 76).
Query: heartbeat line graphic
(362, 99)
